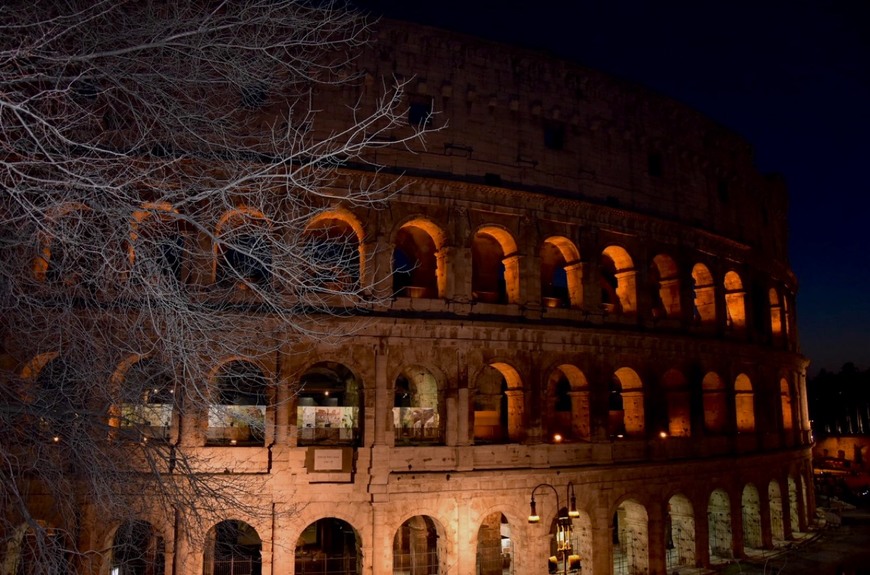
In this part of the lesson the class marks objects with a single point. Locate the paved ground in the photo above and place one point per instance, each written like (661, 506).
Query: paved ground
(842, 550)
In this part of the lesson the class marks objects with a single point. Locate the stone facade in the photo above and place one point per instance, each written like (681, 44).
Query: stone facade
(591, 291)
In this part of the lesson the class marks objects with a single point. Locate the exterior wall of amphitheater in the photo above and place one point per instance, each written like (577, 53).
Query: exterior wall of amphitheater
(592, 288)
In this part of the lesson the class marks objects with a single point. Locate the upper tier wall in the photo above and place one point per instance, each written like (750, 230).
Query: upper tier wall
(521, 119)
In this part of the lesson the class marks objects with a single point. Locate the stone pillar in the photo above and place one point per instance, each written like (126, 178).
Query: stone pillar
(580, 414)
(764, 513)
(530, 281)
(463, 411)
(515, 429)
(383, 399)
(657, 540)
(575, 274)
(602, 548)
(445, 272)
(512, 277)
(626, 290)
(702, 535)
(283, 546)
(382, 545)
(282, 413)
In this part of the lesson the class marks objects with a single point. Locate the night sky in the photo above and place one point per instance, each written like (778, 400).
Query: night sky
(791, 76)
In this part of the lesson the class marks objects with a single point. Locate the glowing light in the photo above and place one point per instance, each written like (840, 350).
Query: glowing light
(557, 438)
(663, 434)
(56, 439)
(232, 441)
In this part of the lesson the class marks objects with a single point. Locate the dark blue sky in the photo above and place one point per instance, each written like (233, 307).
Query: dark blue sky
(791, 76)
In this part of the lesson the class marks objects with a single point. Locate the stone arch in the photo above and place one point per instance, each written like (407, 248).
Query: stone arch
(136, 549)
(679, 409)
(329, 405)
(705, 295)
(630, 538)
(618, 280)
(776, 314)
(750, 503)
(243, 249)
(495, 269)
(774, 498)
(744, 404)
(664, 278)
(156, 245)
(719, 526)
(561, 273)
(786, 405)
(33, 545)
(418, 547)
(417, 406)
(498, 404)
(626, 404)
(333, 251)
(567, 404)
(735, 302)
(329, 545)
(680, 533)
(715, 404)
(237, 410)
(495, 551)
(146, 398)
(232, 546)
(419, 269)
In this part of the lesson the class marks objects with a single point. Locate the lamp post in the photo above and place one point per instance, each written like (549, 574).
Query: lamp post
(564, 521)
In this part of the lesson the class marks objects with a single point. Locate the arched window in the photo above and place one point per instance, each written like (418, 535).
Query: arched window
(233, 548)
(630, 539)
(494, 546)
(147, 400)
(75, 249)
(567, 414)
(333, 254)
(678, 403)
(719, 526)
(157, 244)
(715, 404)
(329, 545)
(680, 534)
(705, 295)
(237, 416)
(631, 399)
(415, 547)
(735, 306)
(665, 287)
(561, 278)
(416, 417)
(744, 401)
(498, 405)
(776, 315)
(243, 249)
(415, 261)
(618, 281)
(494, 267)
(750, 504)
(329, 403)
(137, 550)
(60, 396)
(786, 405)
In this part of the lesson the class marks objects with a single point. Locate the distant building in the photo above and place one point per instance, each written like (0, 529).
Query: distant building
(592, 291)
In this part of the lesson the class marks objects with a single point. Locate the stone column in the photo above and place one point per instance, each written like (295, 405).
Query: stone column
(657, 542)
(575, 274)
(383, 399)
(580, 414)
(512, 278)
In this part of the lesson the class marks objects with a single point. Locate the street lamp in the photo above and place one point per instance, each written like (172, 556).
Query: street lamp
(564, 522)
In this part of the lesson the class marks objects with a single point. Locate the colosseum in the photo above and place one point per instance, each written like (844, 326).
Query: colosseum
(580, 353)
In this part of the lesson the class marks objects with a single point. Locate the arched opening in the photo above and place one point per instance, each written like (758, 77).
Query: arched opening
(744, 401)
(561, 277)
(495, 553)
(494, 267)
(415, 262)
(664, 287)
(705, 295)
(137, 549)
(332, 253)
(630, 539)
(680, 534)
(60, 395)
(237, 414)
(776, 315)
(618, 281)
(330, 546)
(72, 250)
(567, 414)
(735, 305)
(147, 392)
(498, 405)
(715, 404)
(774, 497)
(329, 403)
(751, 506)
(678, 403)
(416, 407)
(243, 250)
(785, 403)
(719, 527)
(157, 244)
(233, 547)
(415, 547)
(626, 412)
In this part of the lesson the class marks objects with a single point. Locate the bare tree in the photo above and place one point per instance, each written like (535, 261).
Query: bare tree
(166, 184)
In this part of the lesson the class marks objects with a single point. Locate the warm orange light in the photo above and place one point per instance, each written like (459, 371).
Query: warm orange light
(557, 438)
(663, 434)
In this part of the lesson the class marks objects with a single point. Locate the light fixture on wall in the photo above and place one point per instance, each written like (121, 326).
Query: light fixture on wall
(564, 523)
